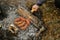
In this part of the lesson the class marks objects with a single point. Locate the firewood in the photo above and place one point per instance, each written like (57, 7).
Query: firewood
(26, 14)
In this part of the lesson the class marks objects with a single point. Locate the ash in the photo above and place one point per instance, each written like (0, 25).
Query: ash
(22, 34)
(9, 7)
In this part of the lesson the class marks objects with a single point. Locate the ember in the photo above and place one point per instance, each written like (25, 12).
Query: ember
(22, 23)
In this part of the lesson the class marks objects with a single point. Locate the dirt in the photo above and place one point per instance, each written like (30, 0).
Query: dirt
(50, 16)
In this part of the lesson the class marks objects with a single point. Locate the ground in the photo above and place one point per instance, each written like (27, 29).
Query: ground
(51, 17)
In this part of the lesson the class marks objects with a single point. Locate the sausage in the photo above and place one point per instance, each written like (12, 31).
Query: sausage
(26, 24)
(27, 21)
(17, 23)
(24, 28)
(21, 25)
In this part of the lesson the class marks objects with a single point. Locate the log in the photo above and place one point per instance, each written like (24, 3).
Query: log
(26, 14)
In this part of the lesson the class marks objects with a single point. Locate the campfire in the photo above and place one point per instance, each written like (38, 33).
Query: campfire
(8, 15)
